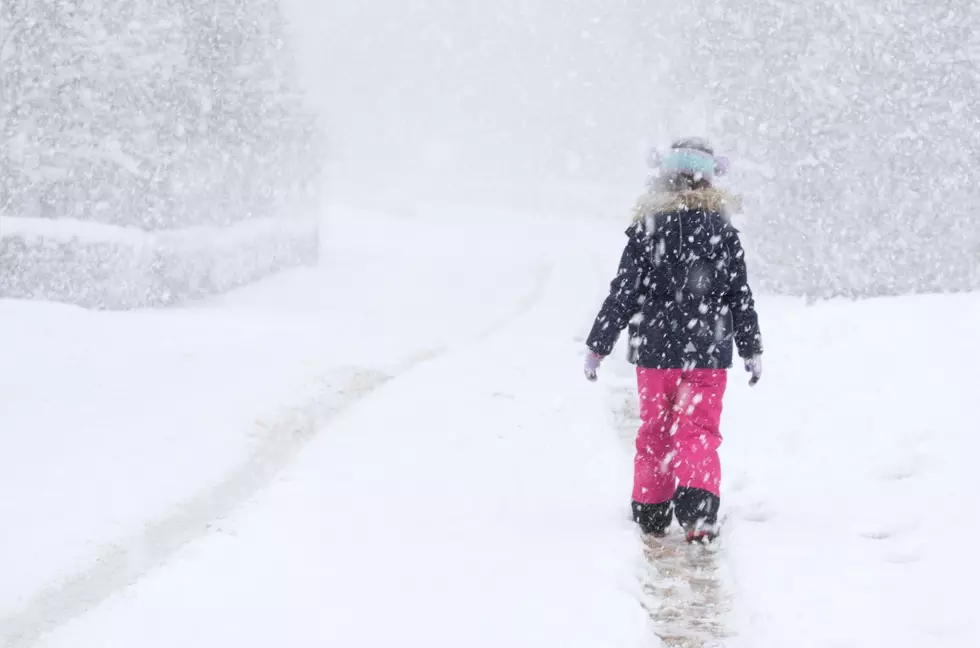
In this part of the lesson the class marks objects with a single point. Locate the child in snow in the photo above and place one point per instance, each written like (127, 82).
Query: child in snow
(683, 291)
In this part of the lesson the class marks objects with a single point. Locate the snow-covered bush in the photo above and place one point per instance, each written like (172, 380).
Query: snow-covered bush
(111, 267)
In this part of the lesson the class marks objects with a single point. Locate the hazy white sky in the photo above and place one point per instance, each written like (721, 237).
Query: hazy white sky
(512, 92)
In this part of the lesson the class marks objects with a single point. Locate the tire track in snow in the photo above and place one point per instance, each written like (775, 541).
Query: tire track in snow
(123, 563)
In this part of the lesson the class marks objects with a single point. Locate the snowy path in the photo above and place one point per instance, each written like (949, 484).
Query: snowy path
(446, 488)
(686, 589)
(126, 560)
(389, 452)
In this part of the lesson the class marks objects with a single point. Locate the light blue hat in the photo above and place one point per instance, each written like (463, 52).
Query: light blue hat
(690, 156)
(688, 161)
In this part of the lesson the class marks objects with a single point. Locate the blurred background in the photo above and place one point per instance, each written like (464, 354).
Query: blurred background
(852, 125)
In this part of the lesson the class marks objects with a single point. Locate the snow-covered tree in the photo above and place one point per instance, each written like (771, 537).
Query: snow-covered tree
(856, 124)
(159, 114)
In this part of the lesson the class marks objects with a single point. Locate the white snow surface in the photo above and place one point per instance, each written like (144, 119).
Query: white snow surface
(399, 448)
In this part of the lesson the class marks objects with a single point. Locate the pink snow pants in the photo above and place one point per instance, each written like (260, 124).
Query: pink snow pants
(677, 443)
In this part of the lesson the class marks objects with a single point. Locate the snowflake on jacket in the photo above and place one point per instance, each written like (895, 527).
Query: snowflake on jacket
(682, 286)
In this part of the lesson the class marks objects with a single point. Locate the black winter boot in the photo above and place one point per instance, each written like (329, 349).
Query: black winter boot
(697, 512)
(653, 518)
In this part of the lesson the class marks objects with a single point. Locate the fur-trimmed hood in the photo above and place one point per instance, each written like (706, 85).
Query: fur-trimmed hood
(707, 199)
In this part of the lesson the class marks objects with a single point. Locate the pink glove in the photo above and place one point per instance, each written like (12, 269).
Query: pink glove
(592, 362)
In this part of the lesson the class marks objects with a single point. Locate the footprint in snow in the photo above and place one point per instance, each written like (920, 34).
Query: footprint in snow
(901, 470)
(877, 535)
(904, 557)
(883, 529)
(898, 473)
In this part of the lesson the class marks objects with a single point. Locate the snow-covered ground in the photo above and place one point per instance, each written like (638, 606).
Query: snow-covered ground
(399, 447)
(853, 478)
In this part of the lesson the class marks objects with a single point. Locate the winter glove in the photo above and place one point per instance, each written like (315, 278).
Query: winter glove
(592, 362)
(754, 366)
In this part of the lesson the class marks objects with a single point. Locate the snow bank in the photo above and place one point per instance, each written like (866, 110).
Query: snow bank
(110, 267)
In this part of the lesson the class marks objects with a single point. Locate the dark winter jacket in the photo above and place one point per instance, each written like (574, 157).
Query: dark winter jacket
(681, 288)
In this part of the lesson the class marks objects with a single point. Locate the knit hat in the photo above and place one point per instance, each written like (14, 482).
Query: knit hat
(692, 156)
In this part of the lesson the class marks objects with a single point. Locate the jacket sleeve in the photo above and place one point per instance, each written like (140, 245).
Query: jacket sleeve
(624, 298)
(739, 300)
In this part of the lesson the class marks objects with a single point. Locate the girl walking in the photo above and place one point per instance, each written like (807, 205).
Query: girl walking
(683, 291)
